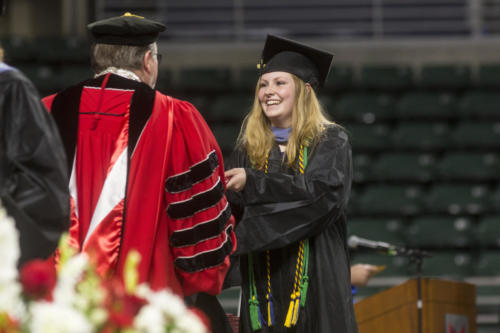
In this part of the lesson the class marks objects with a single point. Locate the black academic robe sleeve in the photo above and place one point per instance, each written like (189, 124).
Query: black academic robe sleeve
(282, 208)
(33, 175)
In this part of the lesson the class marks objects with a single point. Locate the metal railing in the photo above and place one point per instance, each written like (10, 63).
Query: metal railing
(334, 19)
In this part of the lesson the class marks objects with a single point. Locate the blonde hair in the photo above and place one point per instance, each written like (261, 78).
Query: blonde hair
(308, 123)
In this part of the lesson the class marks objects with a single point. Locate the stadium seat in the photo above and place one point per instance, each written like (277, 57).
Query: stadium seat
(453, 264)
(226, 136)
(206, 80)
(247, 79)
(389, 200)
(231, 108)
(445, 76)
(361, 164)
(488, 231)
(43, 77)
(421, 136)
(480, 104)
(489, 76)
(364, 107)
(440, 231)
(489, 263)
(18, 50)
(494, 199)
(368, 137)
(482, 135)
(378, 229)
(412, 167)
(386, 77)
(469, 166)
(62, 50)
(426, 105)
(456, 199)
(339, 78)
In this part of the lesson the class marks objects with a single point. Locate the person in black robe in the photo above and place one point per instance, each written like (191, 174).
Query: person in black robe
(291, 176)
(33, 176)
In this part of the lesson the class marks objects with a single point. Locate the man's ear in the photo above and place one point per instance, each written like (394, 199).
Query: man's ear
(147, 61)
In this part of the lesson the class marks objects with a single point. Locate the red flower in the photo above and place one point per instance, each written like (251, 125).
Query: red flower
(122, 307)
(38, 278)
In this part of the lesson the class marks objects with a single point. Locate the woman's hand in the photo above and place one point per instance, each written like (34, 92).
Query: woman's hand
(361, 273)
(236, 179)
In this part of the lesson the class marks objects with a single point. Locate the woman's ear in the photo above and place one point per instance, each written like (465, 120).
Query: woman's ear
(308, 88)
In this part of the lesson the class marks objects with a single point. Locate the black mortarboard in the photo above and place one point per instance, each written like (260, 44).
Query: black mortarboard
(309, 64)
(127, 29)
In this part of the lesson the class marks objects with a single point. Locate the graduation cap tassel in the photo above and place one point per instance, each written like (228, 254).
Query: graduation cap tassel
(270, 312)
(296, 308)
(255, 316)
(304, 285)
(289, 314)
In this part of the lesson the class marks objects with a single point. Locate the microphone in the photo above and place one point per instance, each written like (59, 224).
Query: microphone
(355, 242)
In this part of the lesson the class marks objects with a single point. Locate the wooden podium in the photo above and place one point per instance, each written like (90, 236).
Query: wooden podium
(441, 304)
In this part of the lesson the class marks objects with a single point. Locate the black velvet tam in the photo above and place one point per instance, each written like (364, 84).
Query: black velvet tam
(127, 29)
(284, 55)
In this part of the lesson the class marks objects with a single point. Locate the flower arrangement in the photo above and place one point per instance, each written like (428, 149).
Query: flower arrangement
(74, 299)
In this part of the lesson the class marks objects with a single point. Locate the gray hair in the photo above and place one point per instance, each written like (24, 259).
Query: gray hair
(128, 57)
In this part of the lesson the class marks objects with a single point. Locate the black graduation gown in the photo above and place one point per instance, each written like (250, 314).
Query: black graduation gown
(281, 208)
(33, 176)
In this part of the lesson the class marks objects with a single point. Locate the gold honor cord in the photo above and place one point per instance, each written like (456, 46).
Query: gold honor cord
(301, 278)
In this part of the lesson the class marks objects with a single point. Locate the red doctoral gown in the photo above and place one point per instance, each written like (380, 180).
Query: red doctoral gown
(146, 174)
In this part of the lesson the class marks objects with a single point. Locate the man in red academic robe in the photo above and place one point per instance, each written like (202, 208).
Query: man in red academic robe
(146, 171)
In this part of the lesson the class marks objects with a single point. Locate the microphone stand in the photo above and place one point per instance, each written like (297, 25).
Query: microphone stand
(416, 256)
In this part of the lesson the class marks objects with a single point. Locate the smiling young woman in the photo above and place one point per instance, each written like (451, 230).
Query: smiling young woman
(291, 176)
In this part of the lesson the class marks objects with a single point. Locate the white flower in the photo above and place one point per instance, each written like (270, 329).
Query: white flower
(70, 274)
(10, 289)
(9, 248)
(149, 320)
(189, 323)
(169, 304)
(57, 318)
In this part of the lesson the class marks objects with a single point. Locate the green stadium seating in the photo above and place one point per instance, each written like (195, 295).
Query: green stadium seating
(226, 135)
(247, 79)
(425, 136)
(426, 105)
(445, 76)
(43, 77)
(482, 135)
(489, 263)
(456, 199)
(412, 167)
(386, 77)
(361, 164)
(364, 107)
(231, 108)
(480, 104)
(389, 200)
(469, 166)
(440, 231)
(368, 137)
(18, 50)
(339, 78)
(56, 49)
(494, 199)
(378, 229)
(489, 76)
(206, 80)
(488, 231)
(452, 264)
